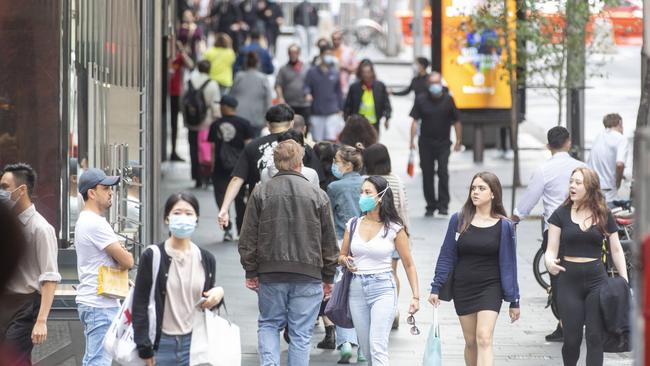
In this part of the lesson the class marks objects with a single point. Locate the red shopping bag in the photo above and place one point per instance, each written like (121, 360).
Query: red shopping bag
(410, 167)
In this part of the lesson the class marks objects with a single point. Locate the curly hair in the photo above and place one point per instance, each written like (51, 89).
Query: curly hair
(358, 129)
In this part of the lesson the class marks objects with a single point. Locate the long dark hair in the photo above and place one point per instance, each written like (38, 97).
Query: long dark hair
(377, 160)
(594, 199)
(326, 152)
(387, 212)
(469, 210)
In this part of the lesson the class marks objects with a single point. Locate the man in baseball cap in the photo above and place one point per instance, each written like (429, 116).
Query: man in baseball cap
(96, 245)
(94, 177)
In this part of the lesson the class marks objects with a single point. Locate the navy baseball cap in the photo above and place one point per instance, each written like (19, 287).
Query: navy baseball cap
(229, 101)
(93, 177)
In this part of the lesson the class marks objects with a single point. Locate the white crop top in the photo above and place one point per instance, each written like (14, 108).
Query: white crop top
(375, 255)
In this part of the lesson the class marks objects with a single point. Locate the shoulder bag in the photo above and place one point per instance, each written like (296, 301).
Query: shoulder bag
(338, 307)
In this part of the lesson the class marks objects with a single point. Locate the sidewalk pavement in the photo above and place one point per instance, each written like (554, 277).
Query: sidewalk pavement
(521, 343)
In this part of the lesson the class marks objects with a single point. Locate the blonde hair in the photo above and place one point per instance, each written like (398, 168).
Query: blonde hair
(287, 155)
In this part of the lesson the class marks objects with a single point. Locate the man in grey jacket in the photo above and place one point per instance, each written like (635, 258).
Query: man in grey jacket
(288, 249)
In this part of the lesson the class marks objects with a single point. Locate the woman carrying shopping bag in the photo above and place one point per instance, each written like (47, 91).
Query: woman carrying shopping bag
(344, 197)
(186, 280)
(477, 267)
(373, 292)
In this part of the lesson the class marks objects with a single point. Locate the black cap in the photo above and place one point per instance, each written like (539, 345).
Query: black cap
(229, 101)
(93, 177)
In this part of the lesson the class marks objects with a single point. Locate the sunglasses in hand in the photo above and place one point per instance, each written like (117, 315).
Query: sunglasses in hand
(410, 320)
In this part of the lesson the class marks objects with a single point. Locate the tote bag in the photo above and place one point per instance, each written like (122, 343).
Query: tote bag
(215, 340)
(338, 306)
(433, 350)
(119, 341)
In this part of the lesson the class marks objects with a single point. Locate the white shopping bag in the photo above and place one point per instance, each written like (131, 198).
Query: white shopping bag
(215, 341)
(119, 341)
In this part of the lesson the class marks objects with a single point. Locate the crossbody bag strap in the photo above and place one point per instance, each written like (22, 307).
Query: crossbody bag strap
(353, 228)
(155, 268)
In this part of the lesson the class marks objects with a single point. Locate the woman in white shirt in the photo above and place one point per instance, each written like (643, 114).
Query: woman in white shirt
(185, 284)
(368, 254)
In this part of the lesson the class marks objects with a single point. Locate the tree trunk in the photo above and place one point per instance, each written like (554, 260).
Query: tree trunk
(644, 103)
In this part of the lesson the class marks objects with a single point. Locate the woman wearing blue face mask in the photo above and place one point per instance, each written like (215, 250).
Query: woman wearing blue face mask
(344, 199)
(187, 274)
(368, 252)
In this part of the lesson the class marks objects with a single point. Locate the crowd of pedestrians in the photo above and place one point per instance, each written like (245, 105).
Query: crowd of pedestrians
(316, 199)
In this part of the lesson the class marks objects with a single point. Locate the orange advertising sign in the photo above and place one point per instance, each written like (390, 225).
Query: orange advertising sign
(473, 59)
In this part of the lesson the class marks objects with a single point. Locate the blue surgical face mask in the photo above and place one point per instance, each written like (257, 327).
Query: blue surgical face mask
(182, 226)
(329, 59)
(336, 172)
(5, 198)
(367, 203)
(435, 89)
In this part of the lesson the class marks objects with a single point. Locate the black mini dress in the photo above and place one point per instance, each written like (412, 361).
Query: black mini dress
(477, 278)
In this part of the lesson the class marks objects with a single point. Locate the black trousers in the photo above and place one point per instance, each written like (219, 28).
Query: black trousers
(174, 102)
(579, 306)
(18, 315)
(432, 154)
(220, 183)
(193, 139)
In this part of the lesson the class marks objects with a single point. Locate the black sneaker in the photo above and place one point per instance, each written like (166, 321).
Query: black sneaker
(556, 336)
(428, 213)
(285, 335)
(227, 236)
(443, 212)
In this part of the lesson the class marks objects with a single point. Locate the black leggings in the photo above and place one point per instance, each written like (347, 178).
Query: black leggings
(579, 305)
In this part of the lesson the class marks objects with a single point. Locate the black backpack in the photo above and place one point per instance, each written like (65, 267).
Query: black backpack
(194, 107)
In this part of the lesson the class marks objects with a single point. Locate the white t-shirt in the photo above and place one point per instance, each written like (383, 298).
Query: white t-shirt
(609, 147)
(92, 235)
(375, 255)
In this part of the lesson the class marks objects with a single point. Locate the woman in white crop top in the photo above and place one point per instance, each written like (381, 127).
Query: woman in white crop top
(368, 245)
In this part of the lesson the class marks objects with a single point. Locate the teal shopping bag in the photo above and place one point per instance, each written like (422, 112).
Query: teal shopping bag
(433, 350)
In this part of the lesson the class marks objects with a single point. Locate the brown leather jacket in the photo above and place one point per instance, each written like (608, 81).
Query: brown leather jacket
(288, 228)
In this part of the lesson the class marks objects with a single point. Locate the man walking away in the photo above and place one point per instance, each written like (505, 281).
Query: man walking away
(288, 249)
(290, 83)
(29, 293)
(438, 113)
(550, 182)
(609, 153)
(266, 61)
(305, 21)
(323, 88)
(258, 155)
(228, 135)
(96, 245)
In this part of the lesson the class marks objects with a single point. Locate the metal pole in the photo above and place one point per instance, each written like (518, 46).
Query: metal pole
(417, 31)
(392, 48)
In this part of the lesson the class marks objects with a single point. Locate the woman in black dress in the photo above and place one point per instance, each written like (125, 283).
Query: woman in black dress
(479, 256)
(577, 230)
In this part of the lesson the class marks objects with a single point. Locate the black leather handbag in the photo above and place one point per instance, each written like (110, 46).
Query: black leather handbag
(447, 290)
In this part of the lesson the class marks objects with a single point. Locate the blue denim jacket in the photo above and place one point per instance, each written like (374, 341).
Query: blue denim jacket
(344, 199)
(448, 258)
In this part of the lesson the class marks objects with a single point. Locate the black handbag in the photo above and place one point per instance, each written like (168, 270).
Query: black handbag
(447, 290)
(338, 306)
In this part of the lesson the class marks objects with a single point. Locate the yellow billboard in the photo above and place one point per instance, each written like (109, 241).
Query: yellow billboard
(474, 57)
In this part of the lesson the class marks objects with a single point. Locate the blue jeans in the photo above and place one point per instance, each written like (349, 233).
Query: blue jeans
(373, 302)
(96, 322)
(174, 350)
(282, 303)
